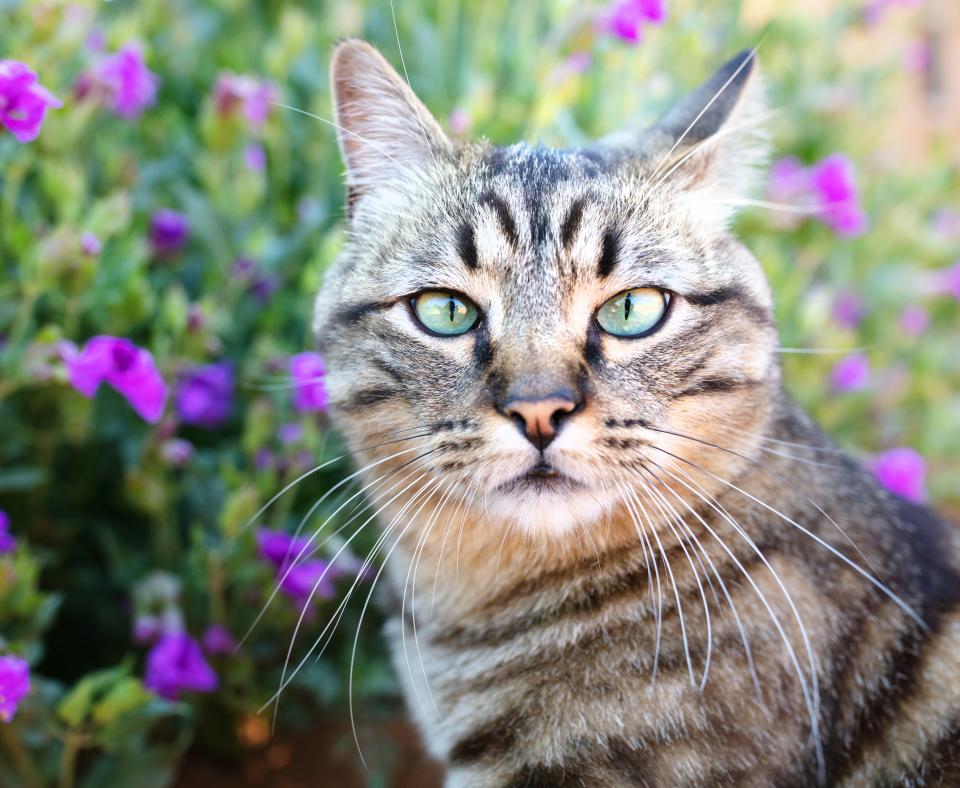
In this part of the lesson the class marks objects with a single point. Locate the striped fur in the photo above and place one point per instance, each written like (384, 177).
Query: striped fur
(709, 592)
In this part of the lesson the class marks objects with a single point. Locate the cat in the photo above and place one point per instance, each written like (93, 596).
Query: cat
(617, 552)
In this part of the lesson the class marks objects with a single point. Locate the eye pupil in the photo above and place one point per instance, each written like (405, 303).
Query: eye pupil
(633, 313)
(445, 313)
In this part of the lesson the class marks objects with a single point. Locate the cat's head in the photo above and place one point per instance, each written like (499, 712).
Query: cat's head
(536, 331)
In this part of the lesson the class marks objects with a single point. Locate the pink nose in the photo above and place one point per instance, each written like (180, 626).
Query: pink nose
(540, 418)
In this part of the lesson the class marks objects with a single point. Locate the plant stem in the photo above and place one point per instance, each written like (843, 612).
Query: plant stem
(19, 755)
(72, 745)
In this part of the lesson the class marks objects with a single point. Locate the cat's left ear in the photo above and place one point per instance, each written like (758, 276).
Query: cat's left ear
(712, 144)
(387, 137)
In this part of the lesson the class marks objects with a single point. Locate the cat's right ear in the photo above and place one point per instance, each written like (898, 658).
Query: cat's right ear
(387, 137)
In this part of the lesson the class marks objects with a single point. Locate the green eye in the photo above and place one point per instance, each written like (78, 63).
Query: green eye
(634, 312)
(445, 313)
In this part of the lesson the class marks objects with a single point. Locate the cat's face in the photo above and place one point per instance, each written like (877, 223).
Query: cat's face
(534, 331)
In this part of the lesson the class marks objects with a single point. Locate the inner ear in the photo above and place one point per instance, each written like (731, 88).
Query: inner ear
(387, 137)
(711, 145)
(704, 112)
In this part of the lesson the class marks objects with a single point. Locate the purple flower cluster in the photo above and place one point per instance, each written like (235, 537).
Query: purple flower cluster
(176, 664)
(23, 100)
(309, 393)
(301, 580)
(205, 395)
(217, 640)
(875, 10)
(123, 78)
(14, 685)
(948, 281)
(247, 94)
(127, 368)
(902, 471)
(168, 232)
(626, 19)
(851, 373)
(828, 189)
(848, 310)
(914, 320)
(7, 541)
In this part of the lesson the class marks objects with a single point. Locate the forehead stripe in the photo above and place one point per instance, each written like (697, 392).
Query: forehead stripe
(467, 246)
(609, 250)
(504, 218)
(571, 224)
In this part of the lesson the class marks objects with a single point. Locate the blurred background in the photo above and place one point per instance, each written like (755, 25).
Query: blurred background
(165, 219)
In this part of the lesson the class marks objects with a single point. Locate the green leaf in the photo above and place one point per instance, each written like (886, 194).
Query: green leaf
(125, 696)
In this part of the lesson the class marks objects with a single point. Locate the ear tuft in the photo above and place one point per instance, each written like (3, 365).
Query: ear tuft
(703, 113)
(712, 144)
(387, 137)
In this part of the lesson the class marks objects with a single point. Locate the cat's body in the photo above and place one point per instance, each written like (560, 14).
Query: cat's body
(544, 676)
(617, 559)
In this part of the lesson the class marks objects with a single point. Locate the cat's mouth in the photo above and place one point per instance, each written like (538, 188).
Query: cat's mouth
(542, 477)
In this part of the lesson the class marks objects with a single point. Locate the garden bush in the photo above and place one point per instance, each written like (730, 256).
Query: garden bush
(168, 205)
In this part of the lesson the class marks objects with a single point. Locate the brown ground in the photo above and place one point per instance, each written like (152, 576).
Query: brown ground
(326, 758)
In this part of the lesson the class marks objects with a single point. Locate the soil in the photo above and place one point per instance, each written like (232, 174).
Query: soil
(325, 758)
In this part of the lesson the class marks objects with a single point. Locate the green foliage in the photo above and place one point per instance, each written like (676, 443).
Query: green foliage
(95, 499)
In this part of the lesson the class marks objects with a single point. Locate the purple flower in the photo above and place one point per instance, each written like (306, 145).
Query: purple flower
(311, 579)
(168, 231)
(901, 471)
(23, 100)
(875, 10)
(949, 281)
(218, 640)
(788, 180)
(247, 93)
(14, 685)
(205, 394)
(263, 459)
(290, 433)
(851, 373)
(578, 62)
(917, 56)
(128, 369)
(243, 268)
(309, 393)
(196, 318)
(177, 452)
(847, 310)
(828, 187)
(626, 18)
(129, 85)
(176, 664)
(279, 547)
(146, 629)
(459, 121)
(914, 320)
(945, 222)
(90, 245)
(254, 157)
(7, 541)
(263, 287)
(835, 185)
(97, 40)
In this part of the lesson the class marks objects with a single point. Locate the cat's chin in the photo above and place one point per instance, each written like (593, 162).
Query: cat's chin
(549, 507)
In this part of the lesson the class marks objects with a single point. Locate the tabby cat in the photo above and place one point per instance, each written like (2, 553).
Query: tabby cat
(618, 554)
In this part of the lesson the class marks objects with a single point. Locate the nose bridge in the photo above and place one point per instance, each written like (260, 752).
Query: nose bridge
(536, 365)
